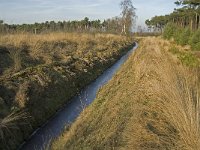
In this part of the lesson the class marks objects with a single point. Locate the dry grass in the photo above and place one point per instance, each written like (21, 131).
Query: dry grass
(10, 126)
(151, 103)
(40, 73)
(22, 94)
(8, 123)
(27, 50)
(32, 39)
(176, 91)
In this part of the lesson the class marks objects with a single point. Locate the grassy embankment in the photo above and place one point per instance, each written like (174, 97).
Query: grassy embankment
(40, 73)
(151, 103)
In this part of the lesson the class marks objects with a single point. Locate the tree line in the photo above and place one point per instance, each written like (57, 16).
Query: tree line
(187, 16)
(84, 25)
(118, 25)
(182, 25)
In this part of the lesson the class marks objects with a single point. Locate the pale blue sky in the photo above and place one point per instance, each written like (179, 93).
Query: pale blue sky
(30, 11)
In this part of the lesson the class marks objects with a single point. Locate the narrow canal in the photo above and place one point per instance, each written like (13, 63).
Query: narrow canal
(67, 115)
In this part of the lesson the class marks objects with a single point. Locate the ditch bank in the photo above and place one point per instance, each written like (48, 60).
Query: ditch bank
(41, 90)
(150, 103)
(64, 118)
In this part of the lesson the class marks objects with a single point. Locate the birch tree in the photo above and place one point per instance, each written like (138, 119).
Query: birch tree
(128, 16)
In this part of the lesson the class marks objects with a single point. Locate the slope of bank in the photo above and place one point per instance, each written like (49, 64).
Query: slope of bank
(42, 74)
(151, 103)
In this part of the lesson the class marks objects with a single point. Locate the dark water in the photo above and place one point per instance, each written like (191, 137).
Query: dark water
(54, 127)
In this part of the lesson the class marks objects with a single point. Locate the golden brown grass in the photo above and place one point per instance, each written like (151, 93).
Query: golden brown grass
(40, 73)
(151, 103)
(176, 88)
(32, 39)
(9, 122)
(26, 50)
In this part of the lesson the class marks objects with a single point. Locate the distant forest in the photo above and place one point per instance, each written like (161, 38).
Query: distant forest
(188, 15)
(182, 25)
(113, 25)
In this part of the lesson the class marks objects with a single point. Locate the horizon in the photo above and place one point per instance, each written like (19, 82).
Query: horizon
(32, 11)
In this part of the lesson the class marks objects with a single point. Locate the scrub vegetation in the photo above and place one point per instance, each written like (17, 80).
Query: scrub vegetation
(183, 36)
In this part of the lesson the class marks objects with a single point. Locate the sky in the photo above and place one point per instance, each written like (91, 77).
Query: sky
(30, 11)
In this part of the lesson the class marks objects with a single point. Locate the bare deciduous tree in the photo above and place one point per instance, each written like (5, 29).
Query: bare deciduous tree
(128, 16)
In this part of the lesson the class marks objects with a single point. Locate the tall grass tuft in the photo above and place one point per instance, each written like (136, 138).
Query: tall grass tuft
(180, 105)
(11, 122)
(176, 90)
(183, 111)
(16, 58)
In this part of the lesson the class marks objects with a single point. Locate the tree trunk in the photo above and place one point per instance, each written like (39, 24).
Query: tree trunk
(196, 21)
(191, 24)
(124, 29)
